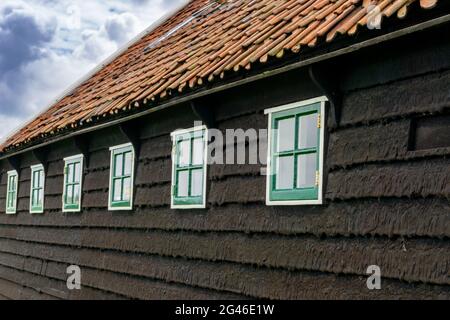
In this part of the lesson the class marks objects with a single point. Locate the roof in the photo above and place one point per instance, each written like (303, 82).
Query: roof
(201, 43)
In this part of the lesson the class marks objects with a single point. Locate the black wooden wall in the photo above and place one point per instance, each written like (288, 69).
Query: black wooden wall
(387, 204)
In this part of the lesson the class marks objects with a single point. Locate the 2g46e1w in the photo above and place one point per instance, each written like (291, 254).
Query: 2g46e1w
(246, 310)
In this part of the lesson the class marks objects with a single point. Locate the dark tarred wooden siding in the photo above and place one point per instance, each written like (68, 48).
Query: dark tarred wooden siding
(385, 205)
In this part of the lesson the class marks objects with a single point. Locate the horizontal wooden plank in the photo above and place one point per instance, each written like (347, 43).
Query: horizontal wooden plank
(54, 185)
(423, 94)
(380, 142)
(243, 279)
(96, 180)
(156, 148)
(387, 217)
(24, 189)
(412, 260)
(55, 168)
(406, 179)
(106, 282)
(156, 196)
(391, 62)
(95, 199)
(14, 291)
(238, 190)
(37, 274)
(47, 288)
(154, 172)
(100, 159)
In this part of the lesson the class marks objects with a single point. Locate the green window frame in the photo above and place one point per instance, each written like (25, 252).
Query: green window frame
(11, 192)
(37, 193)
(189, 168)
(121, 182)
(73, 183)
(295, 159)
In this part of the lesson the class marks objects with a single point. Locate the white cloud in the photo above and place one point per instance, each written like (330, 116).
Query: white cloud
(46, 45)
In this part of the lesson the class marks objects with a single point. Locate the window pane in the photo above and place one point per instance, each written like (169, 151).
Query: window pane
(10, 200)
(12, 183)
(76, 196)
(126, 189)
(35, 179)
(39, 197)
(308, 131)
(118, 165)
(69, 193)
(77, 172)
(286, 135)
(306, 171)
(285, 173)
(128, 164)
(198, 152)
(184, 149)
(197, 183)
(69, 173)
(183, 183)
(33, 197)
(117, 196)
(41, 179)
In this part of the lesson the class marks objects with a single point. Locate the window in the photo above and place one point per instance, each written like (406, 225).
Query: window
(11, 193)
(73, 181)
(295, 159)
(122, 178)
(189, 168)
(37, 189)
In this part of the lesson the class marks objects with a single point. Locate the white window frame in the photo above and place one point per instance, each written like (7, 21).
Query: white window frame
(322, 100)
(67, 161)
(174, 163)
(33, 169)
(111, 174)
(10, 174)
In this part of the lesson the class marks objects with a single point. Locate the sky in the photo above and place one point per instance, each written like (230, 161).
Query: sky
(47, 45)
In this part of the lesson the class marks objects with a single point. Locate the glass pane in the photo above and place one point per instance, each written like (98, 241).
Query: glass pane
(127, 189)
(35, 179)
(197, 183)
(69, 193)
(285, 173)
(10, 200)
(128, 164)
(117, 196)
(77, 172)
(306, 171)
(11, 183)
(41, 179)
(308, 132)
(76, 194)
(198, 152)
(70, 173)
(34, 196)
(184, 149)
(286, 135)
(118, 165)
(183, 184)
(39, 197)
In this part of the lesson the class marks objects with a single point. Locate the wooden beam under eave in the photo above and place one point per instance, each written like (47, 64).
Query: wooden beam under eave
(204, 112)
(133, 133)
(328, 83)
(14, 162)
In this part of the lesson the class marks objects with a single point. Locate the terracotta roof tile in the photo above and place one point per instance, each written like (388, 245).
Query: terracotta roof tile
(196, 46)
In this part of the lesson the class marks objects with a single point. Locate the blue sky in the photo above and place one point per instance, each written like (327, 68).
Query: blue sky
(47, 45)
